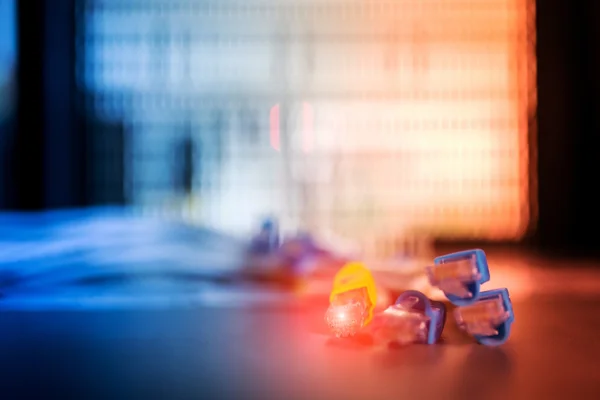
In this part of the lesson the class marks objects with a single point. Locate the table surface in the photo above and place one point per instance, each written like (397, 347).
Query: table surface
(281, 353)
(236, 348)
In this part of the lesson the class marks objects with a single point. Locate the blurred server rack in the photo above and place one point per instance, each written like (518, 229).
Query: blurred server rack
(361, 118)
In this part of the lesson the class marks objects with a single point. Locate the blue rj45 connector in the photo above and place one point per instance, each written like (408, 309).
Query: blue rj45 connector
(414, 318)
(489, 319)
(460, 275)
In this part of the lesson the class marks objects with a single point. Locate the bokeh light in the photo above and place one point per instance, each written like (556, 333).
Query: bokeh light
(387, 116)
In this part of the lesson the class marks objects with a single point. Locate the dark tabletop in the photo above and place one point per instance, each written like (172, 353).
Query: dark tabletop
(225, 346)
(279, 353)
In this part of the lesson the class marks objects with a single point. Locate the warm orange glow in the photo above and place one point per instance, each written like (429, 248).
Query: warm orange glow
(443, 147)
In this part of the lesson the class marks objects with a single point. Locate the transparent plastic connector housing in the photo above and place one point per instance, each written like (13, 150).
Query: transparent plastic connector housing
(452, 277)
(482, 318)
(347, 314)
(401, 326)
